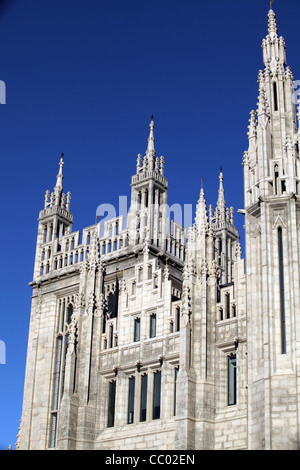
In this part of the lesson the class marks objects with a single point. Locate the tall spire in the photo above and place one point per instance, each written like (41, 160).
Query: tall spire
(272, 25)
(201, 211)
(221, 204)
(60, 177)
(150, 152)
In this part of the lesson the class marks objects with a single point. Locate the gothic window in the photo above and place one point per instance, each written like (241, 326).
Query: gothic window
(152, 325)
(131, 393)
(146, 198)
(175, 388)
(177, 319)
(156, 394)
(111, 336)
(149, 271)
(111, 404)
(113, 301)
(233, 309)
(221, 314)
(137, 329)
(275, 96)
(232, 379)
(227, 302)
(282, 292)
(143, 401)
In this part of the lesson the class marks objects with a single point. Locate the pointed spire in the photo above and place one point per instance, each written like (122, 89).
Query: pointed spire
(221, 204)
(59, 178)
(272, 25)
(150, 152)
(201, 210)
(221, 199)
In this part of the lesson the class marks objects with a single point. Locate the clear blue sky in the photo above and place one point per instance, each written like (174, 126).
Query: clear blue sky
(83, 78)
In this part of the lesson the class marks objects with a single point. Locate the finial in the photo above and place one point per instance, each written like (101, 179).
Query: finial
(150, 152)
(271, 3)
(272, 26)
(221, 205)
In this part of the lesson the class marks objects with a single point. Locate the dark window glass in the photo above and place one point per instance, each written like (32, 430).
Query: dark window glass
(152, 325)
(156, 395)
(137, 329)
(143, 408)
(131, 400)
(111, 404)
(232, 380)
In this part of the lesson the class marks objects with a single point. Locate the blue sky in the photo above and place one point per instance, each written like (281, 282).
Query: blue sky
(84, 78)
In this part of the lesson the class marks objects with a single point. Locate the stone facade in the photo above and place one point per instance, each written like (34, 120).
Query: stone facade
(141, 338)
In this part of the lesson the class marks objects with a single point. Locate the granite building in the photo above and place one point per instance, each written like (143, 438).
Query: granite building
(145, 337)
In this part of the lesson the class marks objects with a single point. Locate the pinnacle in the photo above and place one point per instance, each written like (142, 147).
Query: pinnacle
(272, 25)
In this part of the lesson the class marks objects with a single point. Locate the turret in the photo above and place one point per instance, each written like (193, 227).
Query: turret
(55, 221)
(148, 212)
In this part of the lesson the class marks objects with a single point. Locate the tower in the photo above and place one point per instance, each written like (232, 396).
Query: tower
(212, 374)
(149, 187)
(55, 221)
(272, 216)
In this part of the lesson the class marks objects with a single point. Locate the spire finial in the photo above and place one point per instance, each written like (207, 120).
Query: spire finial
(221, 204)
(150, 152)
(272, 25)
(201, 218)
(59, 178)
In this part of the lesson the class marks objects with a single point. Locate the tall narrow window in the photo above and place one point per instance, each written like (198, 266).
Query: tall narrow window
(131, 400)
(177, 319)
(275, 96)
(143, 402)
(156, 394)
(111, 404)
(227, 300)
(153, 325)
(232, 380)
(175, 388)
(137, 329)
(111, 336)
(282, 294)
